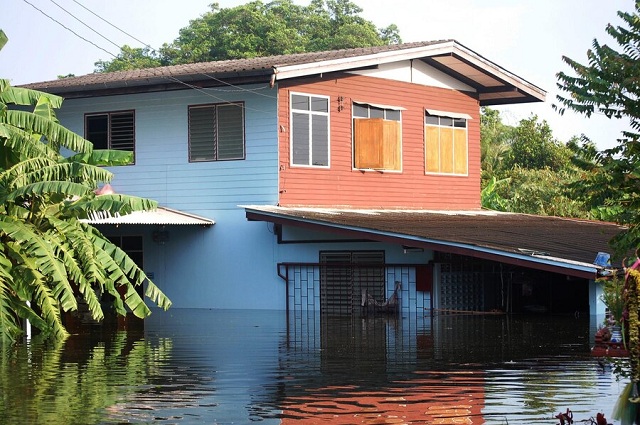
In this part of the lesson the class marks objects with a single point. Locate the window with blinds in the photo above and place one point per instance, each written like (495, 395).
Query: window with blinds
(111, 130)
(446, 145)
(216, 132)
(377, 137)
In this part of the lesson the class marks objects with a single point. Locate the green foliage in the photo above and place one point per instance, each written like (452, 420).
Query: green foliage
(130, 58)
(526, 170)
(538, 191)
(494, 143)
(257, 29)
(608, 85)
(49, 259)
(533, 147)
(54, 382)
(490, 198)
(612, 296)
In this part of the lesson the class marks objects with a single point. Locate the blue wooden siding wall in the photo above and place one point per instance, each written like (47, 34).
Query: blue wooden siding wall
(232, 264)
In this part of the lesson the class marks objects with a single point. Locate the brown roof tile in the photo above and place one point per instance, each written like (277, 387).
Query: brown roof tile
(200, 70)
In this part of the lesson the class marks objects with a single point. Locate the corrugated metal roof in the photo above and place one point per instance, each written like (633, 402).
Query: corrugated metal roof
(160, 216)
(538, 241)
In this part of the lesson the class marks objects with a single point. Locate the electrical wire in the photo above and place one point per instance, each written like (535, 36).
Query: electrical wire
(171, 78)
(109, 23)
(88, 26)
(68, 29)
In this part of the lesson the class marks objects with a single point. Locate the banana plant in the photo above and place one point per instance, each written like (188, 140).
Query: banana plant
(49, 257)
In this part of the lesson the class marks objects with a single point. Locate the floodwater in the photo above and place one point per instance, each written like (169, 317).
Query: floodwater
(247, 367)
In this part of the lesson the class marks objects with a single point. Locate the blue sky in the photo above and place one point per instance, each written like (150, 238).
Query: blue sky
(526, 37)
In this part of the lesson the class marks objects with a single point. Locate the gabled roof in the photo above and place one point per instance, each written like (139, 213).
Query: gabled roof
(494, 84)
(561, 245)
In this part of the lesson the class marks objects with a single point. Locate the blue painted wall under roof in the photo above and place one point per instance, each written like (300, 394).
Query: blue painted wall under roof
(233, 263)
(229, 265)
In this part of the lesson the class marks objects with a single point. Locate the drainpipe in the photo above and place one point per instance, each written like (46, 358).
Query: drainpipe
(272, 81)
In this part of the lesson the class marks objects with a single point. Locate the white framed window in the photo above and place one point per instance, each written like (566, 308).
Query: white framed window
(216, 132)
(446, 143)
(377, 137)
(309, 130)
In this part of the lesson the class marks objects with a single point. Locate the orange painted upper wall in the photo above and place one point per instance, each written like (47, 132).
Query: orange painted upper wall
(343, 186)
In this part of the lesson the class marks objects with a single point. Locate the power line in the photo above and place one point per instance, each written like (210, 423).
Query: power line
(79, 20)
(203, 91)
(237, 87)
(69, 29)
(109, 23)
(171, 78)
(149, 47)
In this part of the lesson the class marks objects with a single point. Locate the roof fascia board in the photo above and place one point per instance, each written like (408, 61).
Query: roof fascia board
(439, 49)
(587, 271)
(333, 65)
(482, 63)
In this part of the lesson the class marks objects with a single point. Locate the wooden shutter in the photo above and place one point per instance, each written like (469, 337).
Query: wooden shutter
(446, 150)
(460, 151)
(432, 149)
(368, 143)
(377, 144)
(391, 145)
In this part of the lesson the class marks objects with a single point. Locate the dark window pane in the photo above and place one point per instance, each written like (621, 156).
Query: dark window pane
(319, 104)
(360, 111)
(460, 122)
(393, 115)
(299, 102)
(446, 122)
(131, 243)
(376, 112)
(300, 139)
(97, 131)
(432, 120)
(320, 144)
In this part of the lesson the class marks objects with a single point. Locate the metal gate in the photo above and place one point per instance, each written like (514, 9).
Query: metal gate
(345, 284)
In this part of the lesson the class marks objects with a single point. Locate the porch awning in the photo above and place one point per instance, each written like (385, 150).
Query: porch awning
(159, 216)
(561, 245)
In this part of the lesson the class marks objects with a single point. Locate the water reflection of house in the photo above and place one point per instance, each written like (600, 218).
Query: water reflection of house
(444, 399)
(328, 175)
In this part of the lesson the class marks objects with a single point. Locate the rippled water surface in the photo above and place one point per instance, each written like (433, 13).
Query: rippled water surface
(243, 367)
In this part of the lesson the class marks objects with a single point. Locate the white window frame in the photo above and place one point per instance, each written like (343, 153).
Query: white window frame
(310, 114)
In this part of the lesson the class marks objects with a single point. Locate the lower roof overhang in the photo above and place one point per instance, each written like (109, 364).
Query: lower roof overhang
(559, 245)
(162, 216)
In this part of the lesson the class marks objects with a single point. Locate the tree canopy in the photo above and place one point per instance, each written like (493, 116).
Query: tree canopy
(608, 85)
(525, 169)
(257, 29)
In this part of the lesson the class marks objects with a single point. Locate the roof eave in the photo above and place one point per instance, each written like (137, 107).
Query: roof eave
(569, 268)
(525, 91)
